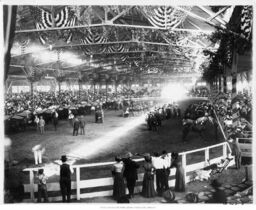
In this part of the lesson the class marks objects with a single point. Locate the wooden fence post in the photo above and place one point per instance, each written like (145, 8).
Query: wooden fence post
(184, 165)
(224, 148)
(206, 154)
(31, 181)
(78, 183)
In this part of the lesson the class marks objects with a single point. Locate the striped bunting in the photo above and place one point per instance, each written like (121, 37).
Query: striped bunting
(43, 20)
(164, 16)
(246, 21)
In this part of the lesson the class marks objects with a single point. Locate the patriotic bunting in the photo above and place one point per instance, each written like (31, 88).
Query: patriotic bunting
(246, 21)
(43, 20)
(164, 16)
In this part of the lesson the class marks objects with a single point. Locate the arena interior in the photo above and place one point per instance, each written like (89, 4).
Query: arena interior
(94, 86)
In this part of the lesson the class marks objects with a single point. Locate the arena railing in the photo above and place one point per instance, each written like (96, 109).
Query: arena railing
(104, 185)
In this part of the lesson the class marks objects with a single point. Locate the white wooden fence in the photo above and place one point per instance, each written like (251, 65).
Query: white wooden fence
(79, 184)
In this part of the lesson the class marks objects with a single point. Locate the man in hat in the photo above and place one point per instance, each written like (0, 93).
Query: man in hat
(82, 125)
(76, 126)
(130, 173)
(65, 179)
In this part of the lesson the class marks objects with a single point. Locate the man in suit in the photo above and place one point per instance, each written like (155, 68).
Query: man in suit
(65, 179)
(82, 125)
(130, 173)
(76, 127)
(55, 116)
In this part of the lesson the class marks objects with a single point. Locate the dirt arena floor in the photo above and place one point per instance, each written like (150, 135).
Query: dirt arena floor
(102, 142)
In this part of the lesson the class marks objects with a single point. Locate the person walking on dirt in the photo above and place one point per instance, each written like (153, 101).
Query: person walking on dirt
(41, 125)
(76, 126)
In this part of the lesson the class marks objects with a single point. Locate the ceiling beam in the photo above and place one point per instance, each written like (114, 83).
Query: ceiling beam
(193, 24)
(51, 69)
(196, 16)
(120, 14)
(98, 15)
(212, 14)
(110, 24)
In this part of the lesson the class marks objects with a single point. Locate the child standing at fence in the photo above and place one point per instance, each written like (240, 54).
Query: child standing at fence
(42, 188)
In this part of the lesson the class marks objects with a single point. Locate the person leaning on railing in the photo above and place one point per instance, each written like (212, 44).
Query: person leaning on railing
(117, 173)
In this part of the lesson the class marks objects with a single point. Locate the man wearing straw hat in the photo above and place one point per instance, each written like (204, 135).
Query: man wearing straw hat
(65, 179)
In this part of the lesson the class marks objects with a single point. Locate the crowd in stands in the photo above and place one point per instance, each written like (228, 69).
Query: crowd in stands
(236, 113)
(199, 92)
(15, 103)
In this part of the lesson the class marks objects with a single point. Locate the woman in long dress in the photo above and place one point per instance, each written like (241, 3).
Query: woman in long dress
(148, 189)
(179, 175)
(117, 172)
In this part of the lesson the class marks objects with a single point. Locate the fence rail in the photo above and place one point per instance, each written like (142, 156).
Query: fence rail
(78, 185)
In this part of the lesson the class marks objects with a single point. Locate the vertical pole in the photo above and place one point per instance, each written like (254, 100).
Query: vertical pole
(234, 73)
(206, 154)
(78, 183)
(184, 165)
(220, 86)
(224, 83)
(31, 181)
(106, 91)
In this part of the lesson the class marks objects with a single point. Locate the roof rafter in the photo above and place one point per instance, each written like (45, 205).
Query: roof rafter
(212, 14)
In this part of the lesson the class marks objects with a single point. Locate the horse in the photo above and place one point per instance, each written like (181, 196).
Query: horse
(198, 126)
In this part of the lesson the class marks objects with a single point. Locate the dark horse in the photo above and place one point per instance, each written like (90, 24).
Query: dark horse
(198, 126)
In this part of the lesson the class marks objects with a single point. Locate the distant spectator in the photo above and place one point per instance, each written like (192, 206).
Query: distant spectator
(37, 122)
(41, 125)
(82, 125)
(70, 117)
(76, 125)
(55, 119)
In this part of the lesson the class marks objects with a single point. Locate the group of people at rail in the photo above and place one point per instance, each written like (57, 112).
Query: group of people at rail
(125, 174)
(156, 166)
